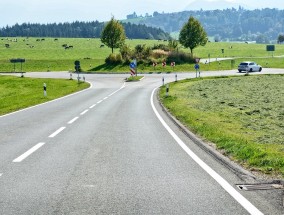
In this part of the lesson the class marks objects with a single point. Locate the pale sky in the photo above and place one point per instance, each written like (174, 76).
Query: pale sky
(50, 11)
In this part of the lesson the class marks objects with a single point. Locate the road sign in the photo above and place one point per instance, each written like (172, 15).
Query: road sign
(173, 64)
(132, 65)
(164, 64)
(196, 66)
(18, 60)
(197, 60)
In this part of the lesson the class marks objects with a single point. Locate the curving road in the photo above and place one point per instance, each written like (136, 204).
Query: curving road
(111, 150)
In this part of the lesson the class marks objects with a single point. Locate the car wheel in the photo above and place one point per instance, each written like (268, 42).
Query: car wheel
(240, 70)
(250, 70)
(260, 68)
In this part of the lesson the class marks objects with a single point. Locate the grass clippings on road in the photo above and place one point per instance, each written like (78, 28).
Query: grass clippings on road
(17, 93)
(243, 116)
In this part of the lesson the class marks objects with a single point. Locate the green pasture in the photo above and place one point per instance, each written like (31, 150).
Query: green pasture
(17, 93)
(48, 54)
(243, 116)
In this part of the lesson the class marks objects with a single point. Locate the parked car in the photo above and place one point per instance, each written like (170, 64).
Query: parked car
(249, 67)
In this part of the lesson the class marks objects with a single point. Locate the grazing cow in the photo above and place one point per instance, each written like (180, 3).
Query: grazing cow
(64, 45)
(55, 39)
(7, 45)
(70, 47)
(102, 45)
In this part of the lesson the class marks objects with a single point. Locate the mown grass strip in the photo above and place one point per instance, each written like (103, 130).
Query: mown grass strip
(134, 78)
(243, 116)
(17, 93)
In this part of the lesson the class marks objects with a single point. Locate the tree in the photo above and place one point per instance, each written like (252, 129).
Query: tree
(113, 34)
(192, 35)
(280, 38)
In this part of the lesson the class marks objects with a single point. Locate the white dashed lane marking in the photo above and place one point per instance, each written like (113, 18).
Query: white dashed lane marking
(73, 120)
(28, 153)
(92, 106)
(57, 132)
(85, 111)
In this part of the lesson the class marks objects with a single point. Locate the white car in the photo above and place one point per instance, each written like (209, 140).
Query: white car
(249, 67)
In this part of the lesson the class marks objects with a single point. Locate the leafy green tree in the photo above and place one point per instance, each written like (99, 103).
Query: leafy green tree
(192, 35)
(113, 34)
(280, 38)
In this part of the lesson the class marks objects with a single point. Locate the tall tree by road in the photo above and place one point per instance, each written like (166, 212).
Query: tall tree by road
(192, 35)
(113, 34)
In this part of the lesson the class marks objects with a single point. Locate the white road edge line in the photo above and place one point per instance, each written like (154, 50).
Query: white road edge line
(99, 101)
(85, 111)
(1, 174)
(57, 132)
(28, 153)
(73, 120)
(221, 181)
(105, 98)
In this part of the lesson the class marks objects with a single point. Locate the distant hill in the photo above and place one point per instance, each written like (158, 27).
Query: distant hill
(234, 24)
(209, 5)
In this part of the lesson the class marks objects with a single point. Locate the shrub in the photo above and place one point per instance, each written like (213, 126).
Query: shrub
(114, 59)
(126, 53)
(159, 53)
(162, 47)
(180, 57)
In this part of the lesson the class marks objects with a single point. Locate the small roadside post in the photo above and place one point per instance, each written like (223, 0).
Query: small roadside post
(173, 64)
(44, 90)
(167, 90)
(176, 77)
(163, 80)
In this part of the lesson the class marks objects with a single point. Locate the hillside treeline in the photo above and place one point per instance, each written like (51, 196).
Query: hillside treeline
(79, 30)
(231, 24)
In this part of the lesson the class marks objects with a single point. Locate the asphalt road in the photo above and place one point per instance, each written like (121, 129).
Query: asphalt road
(112, 150)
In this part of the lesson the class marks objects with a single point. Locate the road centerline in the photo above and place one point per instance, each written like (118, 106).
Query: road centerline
(92, 106)
(28, 153)
(56, 132)
(85, 111)
(220, 180)
(73, 120)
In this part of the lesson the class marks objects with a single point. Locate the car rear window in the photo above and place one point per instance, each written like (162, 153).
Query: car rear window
(244, 64)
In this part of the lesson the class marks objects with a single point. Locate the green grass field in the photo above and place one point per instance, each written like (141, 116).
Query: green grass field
(49, 55)
(243, 116)
(17, 93)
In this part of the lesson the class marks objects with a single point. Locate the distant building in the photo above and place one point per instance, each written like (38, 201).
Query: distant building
(132, 16)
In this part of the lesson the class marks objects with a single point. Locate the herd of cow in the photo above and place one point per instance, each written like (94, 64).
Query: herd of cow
(65, 46)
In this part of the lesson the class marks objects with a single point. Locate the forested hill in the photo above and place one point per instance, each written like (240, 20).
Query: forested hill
(80, 30)
(230, 24)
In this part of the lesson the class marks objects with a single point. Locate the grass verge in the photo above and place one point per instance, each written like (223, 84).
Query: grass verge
(243, 116)
(17, 93)
(134, 78)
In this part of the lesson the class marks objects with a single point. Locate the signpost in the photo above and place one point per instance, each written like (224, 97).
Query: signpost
(18, 60)
(197, 67)
(270, 48)
(132, 68)
(77, 68)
